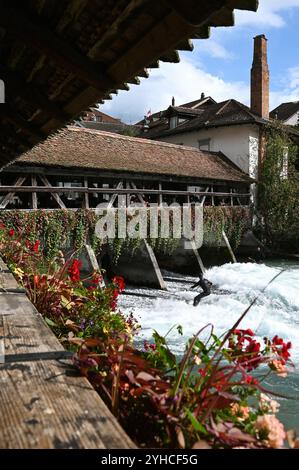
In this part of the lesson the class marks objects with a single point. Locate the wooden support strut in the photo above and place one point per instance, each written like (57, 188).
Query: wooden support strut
(53, 194)
(226, 240)
(7, 199)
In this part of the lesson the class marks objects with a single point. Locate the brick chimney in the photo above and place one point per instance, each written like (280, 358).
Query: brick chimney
(260, 78)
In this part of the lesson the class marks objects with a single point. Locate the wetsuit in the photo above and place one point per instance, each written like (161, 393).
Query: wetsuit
(206, 287)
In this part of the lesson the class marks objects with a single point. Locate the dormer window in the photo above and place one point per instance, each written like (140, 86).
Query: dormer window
(173, 122)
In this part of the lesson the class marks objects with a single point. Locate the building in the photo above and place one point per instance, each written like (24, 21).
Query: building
(96, 115)
(288, 113)
(229, 126)
(97, 120)
(81, 168)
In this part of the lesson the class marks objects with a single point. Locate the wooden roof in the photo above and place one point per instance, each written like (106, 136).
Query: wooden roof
(79, 148)
(58, 57)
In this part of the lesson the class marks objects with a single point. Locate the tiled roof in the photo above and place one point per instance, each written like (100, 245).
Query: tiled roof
(89, 149)
(227, 112)
(285, 111)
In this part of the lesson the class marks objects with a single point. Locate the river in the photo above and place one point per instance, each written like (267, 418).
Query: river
(235, 286)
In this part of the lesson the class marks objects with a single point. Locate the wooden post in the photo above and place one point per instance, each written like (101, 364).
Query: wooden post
(231, 198)
(34, 194)
(228, 246)
(160, 197)
(128, 195)
(213, 200)
(86, 198)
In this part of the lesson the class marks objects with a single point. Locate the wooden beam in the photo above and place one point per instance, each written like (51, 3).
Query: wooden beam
(94, 262)
(186, 45)
(196, 13)
(7, 199)
(33, 31)
(20, 123)
(53, 194)
(114, 196)
(17, 86)
(204, 196)
(119, 17)
(226, 241)
(115, 191)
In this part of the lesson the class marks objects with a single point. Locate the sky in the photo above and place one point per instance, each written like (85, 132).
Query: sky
(220, 66)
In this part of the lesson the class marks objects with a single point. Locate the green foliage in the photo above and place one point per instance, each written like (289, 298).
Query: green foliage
(64, 229)
(233, 220)
(278, 192)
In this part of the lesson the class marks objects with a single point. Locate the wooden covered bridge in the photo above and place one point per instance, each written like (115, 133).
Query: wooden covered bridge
(81, 168)
(58, 58)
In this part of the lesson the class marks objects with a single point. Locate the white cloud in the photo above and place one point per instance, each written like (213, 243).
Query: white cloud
(268, 14)
(289, 90)
(215, 49)
(185, 81)
(293, 74)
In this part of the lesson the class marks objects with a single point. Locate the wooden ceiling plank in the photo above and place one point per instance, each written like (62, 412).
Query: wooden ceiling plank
(35, 33)
(20, 123)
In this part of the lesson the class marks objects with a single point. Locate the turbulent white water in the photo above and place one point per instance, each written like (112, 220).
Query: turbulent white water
(234, 287)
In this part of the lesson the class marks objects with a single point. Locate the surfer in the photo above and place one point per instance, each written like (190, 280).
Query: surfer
(206, 287)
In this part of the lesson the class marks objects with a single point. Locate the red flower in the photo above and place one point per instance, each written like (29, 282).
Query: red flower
(119, 281)
(11, 232)
(35, 247)
(2, 226)
(250, 380)
(74, 270)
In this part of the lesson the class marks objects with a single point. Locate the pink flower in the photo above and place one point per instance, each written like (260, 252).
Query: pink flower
(241, 412)
(274, 429)
(280, 368)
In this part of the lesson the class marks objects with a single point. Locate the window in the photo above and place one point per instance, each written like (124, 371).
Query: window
(204, 144)
(284, 164)
(173, 122)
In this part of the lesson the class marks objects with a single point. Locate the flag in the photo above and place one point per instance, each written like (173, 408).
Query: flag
(149, 113)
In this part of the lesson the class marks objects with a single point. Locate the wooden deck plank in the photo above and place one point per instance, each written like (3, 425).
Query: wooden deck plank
(23, 328)
(43, 406)
(7, 281)
(43, 402)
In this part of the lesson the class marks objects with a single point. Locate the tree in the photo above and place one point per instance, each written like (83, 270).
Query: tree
(278, 192)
